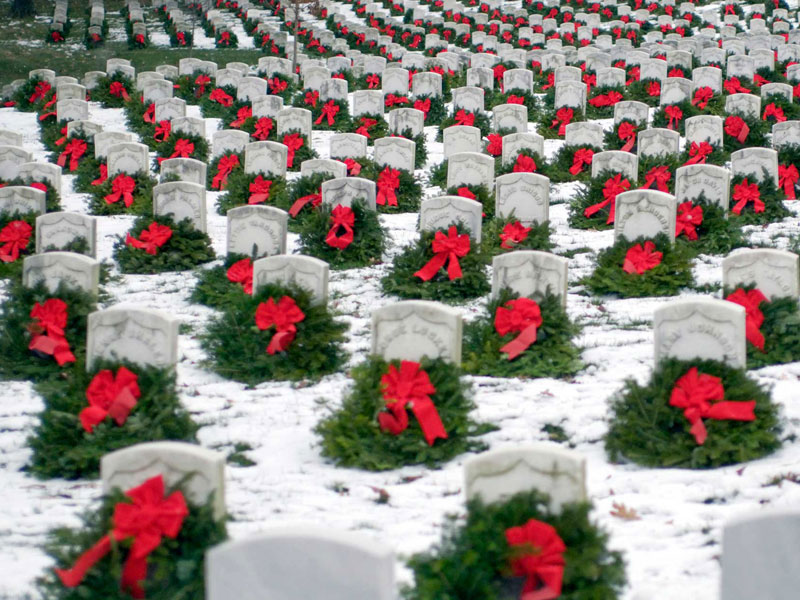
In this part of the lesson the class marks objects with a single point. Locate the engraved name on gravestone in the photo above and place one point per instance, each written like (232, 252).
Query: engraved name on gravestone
(229, 141)
(127, 157)
(774, 272)
(21, 199)
(59, 230)
(406, 119)
(657, 142)
(397, 153)
(182, 200)
(257, 231)
(346, 190)
(306, 272)
(443, 211)
(584, 134)
(530, 273)
(704, 128)
(461, 138)
(525, 196)
(470, 168)
(512, 117)
(413, 329)
(76, 271)
(33, 172)
(645, 213)
(265, 157)
(757, 163)
(615, 161)
(327, 166)
(514, 143)
(267, 106)
(185, 169)
(294, 120)
(348, 145)
(709, 181)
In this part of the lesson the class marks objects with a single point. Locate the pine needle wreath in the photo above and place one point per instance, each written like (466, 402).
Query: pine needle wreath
(376, 131)
(408, 193)
(304, 153)
(142, 197)
(238, 349)
(21, 97)
(528, 101)
(771, 196)
(482, 122)
(213, 168)
(612, 140)
(549, 131)
(538, 238)
(590, 195)
(401, 281)
(305, 185)
(757, 137)
(481, 194)
(645, 429)
(673, 274)
(211, 109)
(175, 569)
(341, 121)
(184, 250)
(213, 286)
(102, 91)
(716, 235)
(671, 161)
(238, 191)
(790, 109)
(63, 449)
(88, 171)
(186, 89)
(366, 249)
(438, 175)
(505, 169)
(16, 360)
(352, 437)
(559, 168)
(789, 154)
(472, 560)
(51, 131)
(51, 198)
(165, 150)
(437, 110)
(660, 118)
(603, 112)
(554, 354)
(13, 269)
(135, 110)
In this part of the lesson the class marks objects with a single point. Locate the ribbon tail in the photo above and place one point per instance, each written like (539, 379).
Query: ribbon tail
(575, 169)
(280, 341)
(735, 411)
(429, 420)
(520, 343)
(698, 430)
(72, 577)
(394, 422)
(432, 267)
(90, 417)
(134, 571)
(629, 144)
(743, 133)
(754, 335)
(122, 406)
(454, 268)
(595, 208)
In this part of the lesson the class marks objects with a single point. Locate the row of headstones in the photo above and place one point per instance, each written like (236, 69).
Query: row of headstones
(60, 17)
(136, 18)
(97, 17)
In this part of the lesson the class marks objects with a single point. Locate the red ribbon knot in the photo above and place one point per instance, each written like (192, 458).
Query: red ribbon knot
(754, 318)
(627, 133)
(446, 248)
(259, 190)
(513, 233)
(282, 315)
(122, 186)
(659, 176)
(639, 259)
(342, 218)
(151, 239)
(582, 158)
(110, 396)
(538, 555)
(698, 153)
(702, 96)
(688, 219)
(746, 192)
(522, 316)
(465, 118)
(524, 164)
(737, 128)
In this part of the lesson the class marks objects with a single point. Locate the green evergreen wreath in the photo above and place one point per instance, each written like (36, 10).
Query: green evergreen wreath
(671, 161)
(102, 91)
(667, 279)
(719, 156)
(717, 234)
(213, 287)
(645, 429)
(660, 118)
(142, 197)
(175, 569)
(51, 199)
(375, 132)
(482, 122)
(304, 153)
(238, 191)
(505, 169)
(538, 237)
(88, 171)
(472, 560)
(771, 196)
(215, 110)
(238, 349)
(554, 354)
(409, 192)
(789, 154)
(184, 250)
(790, 109)
(603, 112)
(305, 185)
(612, 140)
(135, 110)
(341, 121)
(437, 111)
(50, 131)
(757, 137)
(529, 102)
(16, 360)
(352, 437)
(164, 150)
(62, 448)
(548, 115)
(213, 167)
(21, 97)
(438, 175)
(558, 169)
(13, 270)
(590, 195)
(402, 282)
(366, 249)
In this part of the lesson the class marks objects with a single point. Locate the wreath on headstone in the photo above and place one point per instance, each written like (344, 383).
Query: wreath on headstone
(506, 235)
(755, 202)
(17, 240)
(594, 205)
(122, 194)
(244, 189)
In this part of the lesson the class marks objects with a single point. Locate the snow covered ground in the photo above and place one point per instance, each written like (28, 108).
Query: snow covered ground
(672, 552)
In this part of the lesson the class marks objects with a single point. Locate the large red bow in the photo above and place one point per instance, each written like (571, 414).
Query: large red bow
(74, 150)
(149, 115)
(627, 133)
(300, 203)
(694, 393)
(513, 233)
(110, 396)
(391, 100)
(639, 259)
(613, 187)
(538, 555)
(329, 112)
(147, 519)
(737, 128)
(183, 149)
(446, 247)
(366, 125)
(242, 272)
(609, 99)
(225, 167)
(151, 239)
(698, 153)
(495, 146)
(117, 89)
(787, 179)
(563, 118)
(581, 158)
(465, 118)
(201, 82)
(388, 183)
(353, 167)
(14, 237)
(775, 112)
(521, 315)
(122, 186)
(734, 86)
(48, 335)
(259, 190)
(688, 219)
(746, 192)
(283, 315)
(654, 89)
(40, 91)
(342, 217)
(512, 99)
(263, 127)
(373, 81)
(410, 385)
(524, 164)
(674, 114)
(423, 105)
(659, 176)
(702, 96)
(242, 115)
(220, 96)
(277, 85)
(163, 130)
(293, 141)
(754, 317)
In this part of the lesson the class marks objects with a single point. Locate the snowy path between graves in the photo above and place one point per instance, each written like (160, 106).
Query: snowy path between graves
(672, 552)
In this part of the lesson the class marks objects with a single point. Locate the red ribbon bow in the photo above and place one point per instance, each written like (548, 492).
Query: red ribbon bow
(259, 190)
(659, 176)
(147, 519)
(151, 239)
(220, 96)
(512, 99)
(495, 147)
(149, 115)
(283, 315)
(311, 98)
(410, 386)
(654, 89)
(183, 149)
(698, 153)
(538, 555)
(446, 248)
(388, 183)
(293, 141)
(513, 233)
(521, 315)
(613, 186)
(373, 81)
(74, 150)
(300, 203)
(563, 118)
(754, 317)
(163, 130)
(702, 96)
(366, 125)
(342, 217)
(639, 259)
(201, 81)
(776, 112)
(353, 167)
(729, 9)
(40, 91)
(551, 81)
(48, 336)
(103, 175)
(746, 192)
(242, 115)
(122, 186)
(242, 272)
(675, 114)
(391, 100)
(423, 105)
(465, 118)
(737, 128)
(118, 90)
(263, 128)
(581, 158)
(225, 38)
(277, 85)
(627, 133)
(110, 396)
(787, 179)
(524, 164)
(609, 99)
(225, 167)
(734, 86)
(694, 393)
(688, 219)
